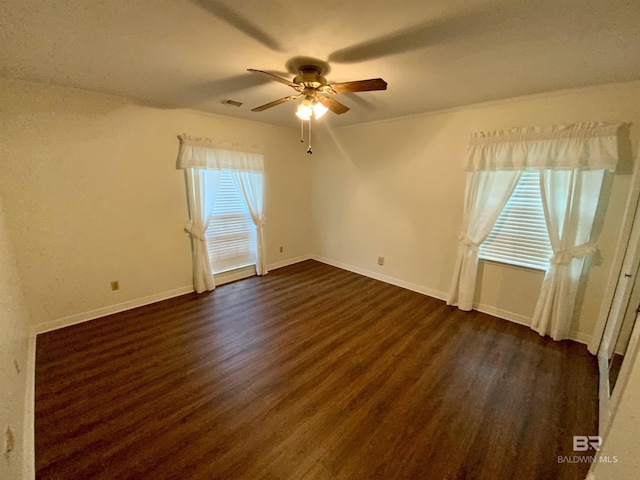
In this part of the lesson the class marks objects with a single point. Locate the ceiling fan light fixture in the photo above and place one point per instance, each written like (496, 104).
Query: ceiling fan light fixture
(319, 109)
(305, 110)
(309, 84)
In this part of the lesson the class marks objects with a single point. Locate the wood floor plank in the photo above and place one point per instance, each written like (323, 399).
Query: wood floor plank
(310, 372)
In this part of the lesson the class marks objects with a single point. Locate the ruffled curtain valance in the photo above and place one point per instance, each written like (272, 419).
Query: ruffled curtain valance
(198, 152)
(587, 146)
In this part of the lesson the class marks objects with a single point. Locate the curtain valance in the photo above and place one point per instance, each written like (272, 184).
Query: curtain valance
(588, 146)
(205, 153)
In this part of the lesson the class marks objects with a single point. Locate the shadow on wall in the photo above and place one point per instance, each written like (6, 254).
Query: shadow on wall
(625, 167)
(625, 151)
(596, 258)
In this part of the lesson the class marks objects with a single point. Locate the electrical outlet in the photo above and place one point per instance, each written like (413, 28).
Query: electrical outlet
(380, 260)
(281, 249)
(115, 285)
(9, 443)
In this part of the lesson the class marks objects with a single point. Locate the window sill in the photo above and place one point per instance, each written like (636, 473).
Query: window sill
(513, 266)
(233, 275)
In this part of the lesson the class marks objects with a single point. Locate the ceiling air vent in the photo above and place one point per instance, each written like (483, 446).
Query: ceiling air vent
(232, 102)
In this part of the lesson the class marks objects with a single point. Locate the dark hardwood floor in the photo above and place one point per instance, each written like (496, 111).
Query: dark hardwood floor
(309, 373)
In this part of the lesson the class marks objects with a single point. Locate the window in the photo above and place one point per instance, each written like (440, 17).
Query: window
(520, 236)
(231, 235)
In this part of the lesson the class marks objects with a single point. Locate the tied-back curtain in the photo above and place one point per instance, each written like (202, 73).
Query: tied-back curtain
(251, 186)
(572, 160)
(202, 186)
(487, 193)
(570, 201)
(203, 159)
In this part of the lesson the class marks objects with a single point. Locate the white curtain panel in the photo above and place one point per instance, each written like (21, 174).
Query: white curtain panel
(570, 200)
(486, 195)
(202, 186)
(203, 159)
(251, 185)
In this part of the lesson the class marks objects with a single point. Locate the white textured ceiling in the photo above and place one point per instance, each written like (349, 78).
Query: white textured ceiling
(433, 54)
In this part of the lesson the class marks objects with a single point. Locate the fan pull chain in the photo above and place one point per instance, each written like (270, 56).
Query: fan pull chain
(309, 151)
(301, 131)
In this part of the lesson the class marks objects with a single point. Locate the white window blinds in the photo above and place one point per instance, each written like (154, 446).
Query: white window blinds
(520, 236)
(231, 235)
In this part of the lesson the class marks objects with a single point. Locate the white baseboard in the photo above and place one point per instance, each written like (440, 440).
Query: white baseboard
(236, 275)
(290, 261)
(157, 297)
(28, 431)
(504, 314)
(111, 309)
(383, 278)
(480, 307)
(524, 320)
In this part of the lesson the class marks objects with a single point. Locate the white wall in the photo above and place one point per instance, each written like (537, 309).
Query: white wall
(396, 189)
(14, 362)
(92, 195)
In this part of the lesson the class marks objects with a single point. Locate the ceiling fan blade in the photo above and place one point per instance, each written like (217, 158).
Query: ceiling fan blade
(273, 77)
(275, 103)
(331, 104)
(360, 86)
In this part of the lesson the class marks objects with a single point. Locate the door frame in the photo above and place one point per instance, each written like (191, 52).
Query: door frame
(630, 214)
(623, 286)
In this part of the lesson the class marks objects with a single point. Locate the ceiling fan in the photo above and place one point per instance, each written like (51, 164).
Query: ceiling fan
(314, 87)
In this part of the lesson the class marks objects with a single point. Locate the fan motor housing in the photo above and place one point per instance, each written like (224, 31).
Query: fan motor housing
(310, 77)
